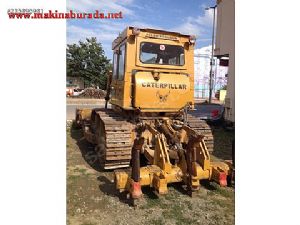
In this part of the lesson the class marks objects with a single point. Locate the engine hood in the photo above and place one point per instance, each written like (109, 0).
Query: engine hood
(170, 92)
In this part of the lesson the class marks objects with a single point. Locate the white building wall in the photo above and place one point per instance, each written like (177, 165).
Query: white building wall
(202, 69)
(225, 45)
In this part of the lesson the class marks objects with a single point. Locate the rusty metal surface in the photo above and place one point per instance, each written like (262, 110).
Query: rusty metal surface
(202, 128)
(113, 137)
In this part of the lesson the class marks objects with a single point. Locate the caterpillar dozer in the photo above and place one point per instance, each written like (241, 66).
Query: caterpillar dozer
(151, 93)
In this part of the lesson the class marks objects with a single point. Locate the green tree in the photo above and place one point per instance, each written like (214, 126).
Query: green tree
(88, 61)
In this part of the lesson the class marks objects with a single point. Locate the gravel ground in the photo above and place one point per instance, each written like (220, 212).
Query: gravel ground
(92, 199)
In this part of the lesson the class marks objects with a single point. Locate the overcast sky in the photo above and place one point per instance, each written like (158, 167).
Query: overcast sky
(187, 17)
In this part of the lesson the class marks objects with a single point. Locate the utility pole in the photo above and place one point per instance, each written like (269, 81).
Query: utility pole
(212, 53)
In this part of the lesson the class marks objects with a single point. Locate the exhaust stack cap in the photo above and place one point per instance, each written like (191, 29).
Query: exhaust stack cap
(136, 31)
(192, 39)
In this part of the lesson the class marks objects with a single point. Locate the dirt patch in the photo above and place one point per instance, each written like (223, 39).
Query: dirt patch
(223, 142)
(92, 198)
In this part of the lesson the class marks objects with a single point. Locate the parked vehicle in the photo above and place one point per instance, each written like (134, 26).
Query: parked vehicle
(77, 91)
(211, 112)
(73, 90)
(70, 90)
(146, 118)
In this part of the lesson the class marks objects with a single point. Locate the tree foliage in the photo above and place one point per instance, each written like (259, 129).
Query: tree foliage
(86, 60)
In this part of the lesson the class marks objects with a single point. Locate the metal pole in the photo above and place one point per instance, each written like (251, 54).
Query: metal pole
(212, 56)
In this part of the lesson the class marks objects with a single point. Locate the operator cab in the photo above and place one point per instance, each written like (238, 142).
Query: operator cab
(153, 70)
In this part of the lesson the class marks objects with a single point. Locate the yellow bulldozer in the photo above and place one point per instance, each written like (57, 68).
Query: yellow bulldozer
(151, 92)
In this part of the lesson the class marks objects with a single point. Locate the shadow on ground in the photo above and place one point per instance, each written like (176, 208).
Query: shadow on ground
(222, 142)
(87, 149)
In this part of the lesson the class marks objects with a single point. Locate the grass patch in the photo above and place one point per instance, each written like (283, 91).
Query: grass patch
(158, 221)
(188, 204)
(73, 177)
(225, 192)
(88, 223)
(80, 170)
(175, 212)
(217, 190)
(173, 194)
(153, 202)
(223, 203)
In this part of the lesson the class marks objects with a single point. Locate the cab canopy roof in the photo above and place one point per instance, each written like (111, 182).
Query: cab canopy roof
(129, 31)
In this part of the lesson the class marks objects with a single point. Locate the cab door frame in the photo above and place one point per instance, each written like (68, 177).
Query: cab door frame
(118, 76)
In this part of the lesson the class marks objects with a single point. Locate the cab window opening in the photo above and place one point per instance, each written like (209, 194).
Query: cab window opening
(119, 63)
(162, 54)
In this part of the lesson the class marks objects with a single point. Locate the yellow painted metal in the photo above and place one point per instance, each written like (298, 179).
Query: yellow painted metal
(161, 156)
(171, 92)
(122, 94)
(84, 113)
(159, 88)
(121, 180)
(200, 173)
(162, 172)
(152, 176)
